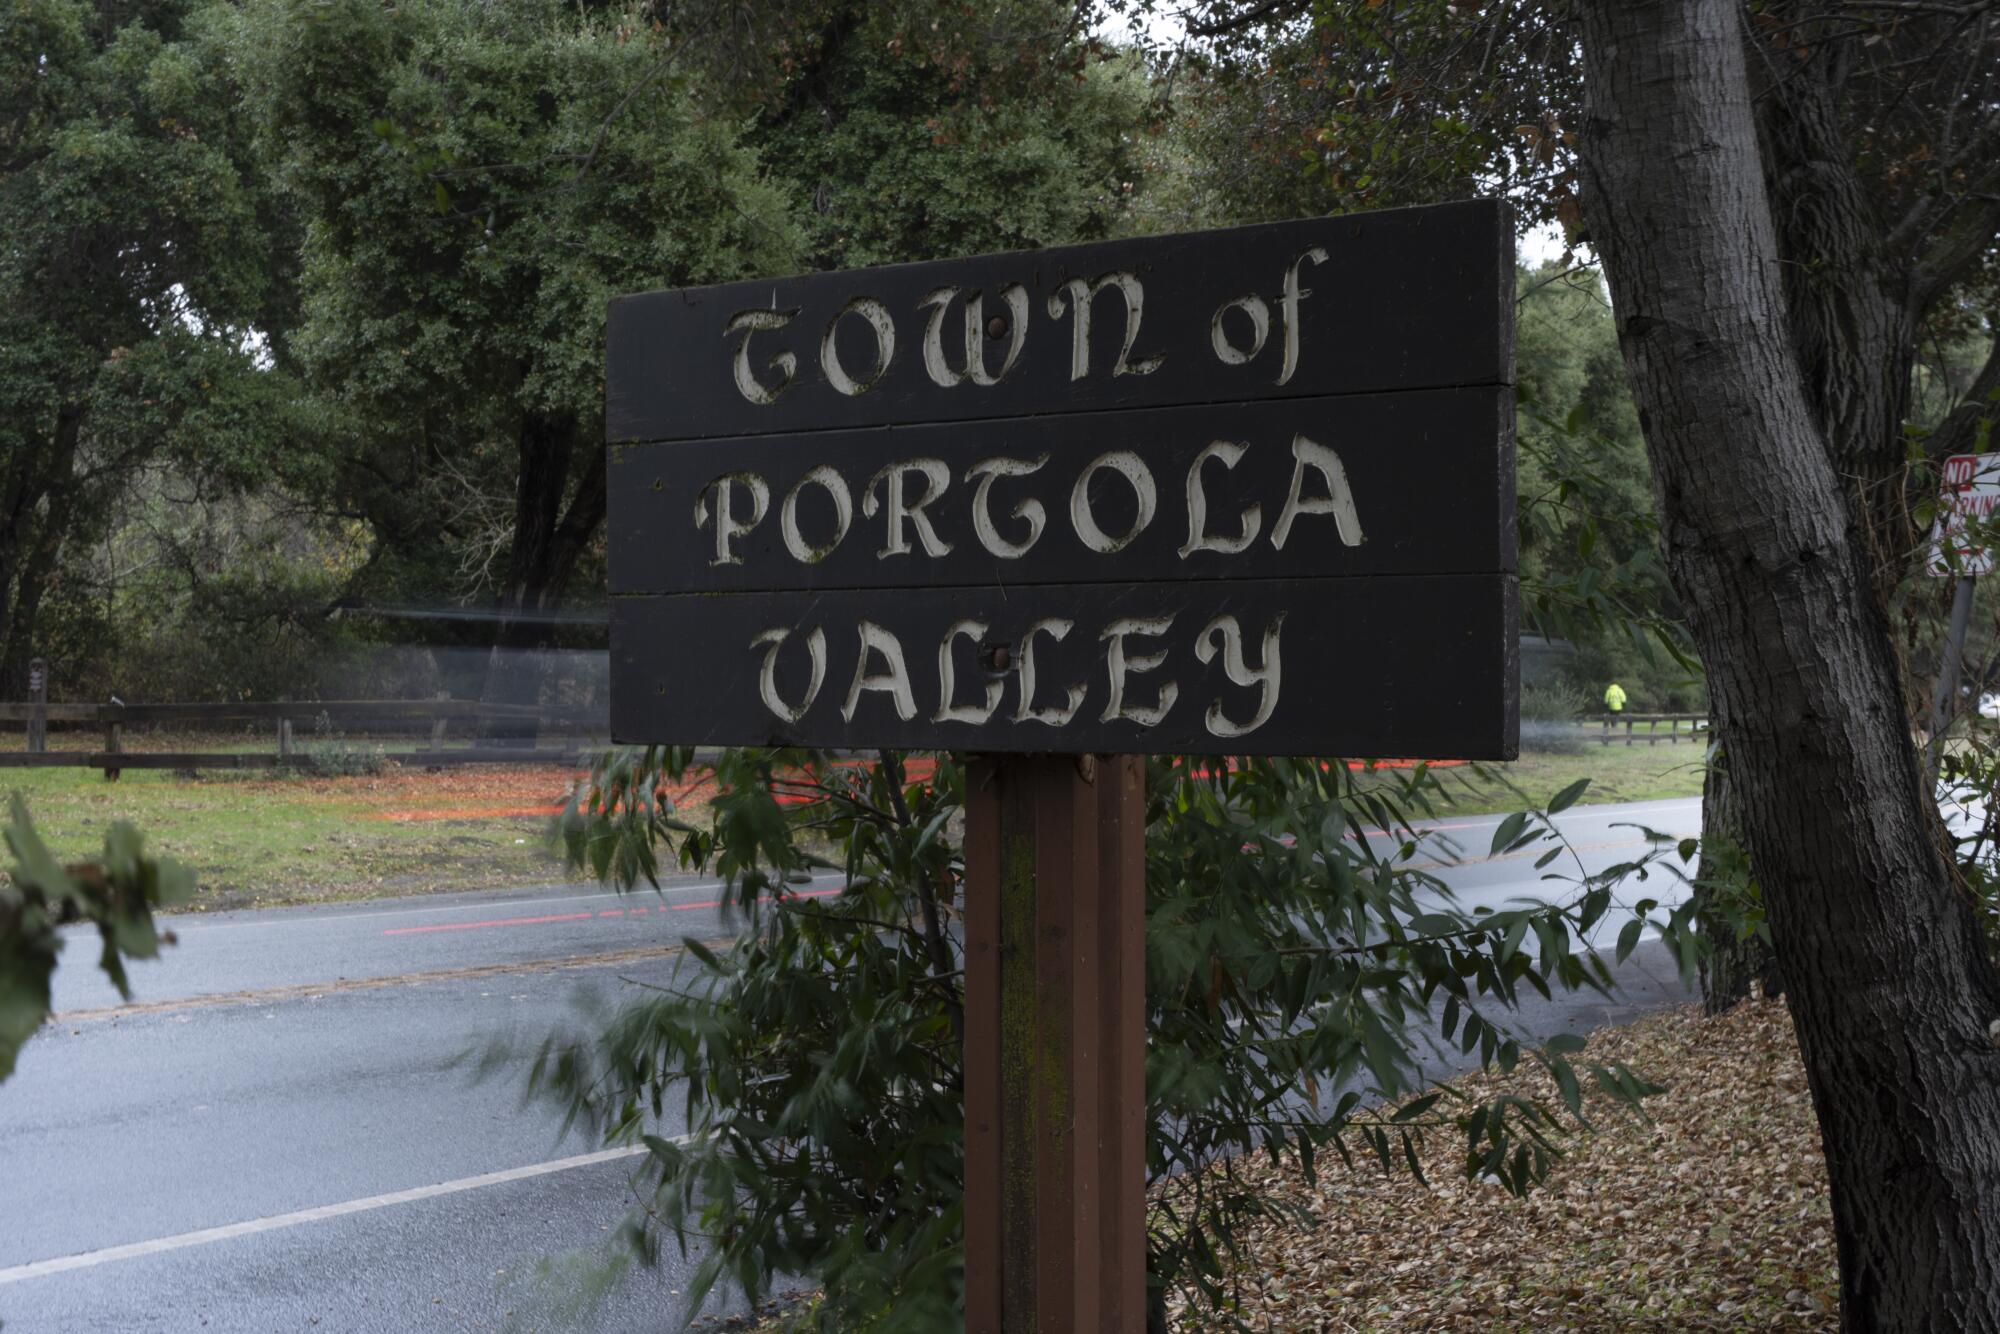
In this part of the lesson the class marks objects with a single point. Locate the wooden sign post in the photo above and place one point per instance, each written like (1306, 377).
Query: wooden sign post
(1242, 492)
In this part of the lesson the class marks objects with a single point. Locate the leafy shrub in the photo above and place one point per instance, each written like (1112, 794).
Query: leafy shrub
(330, 754)
(1295, 972)
(39, 895)
(1550, 708)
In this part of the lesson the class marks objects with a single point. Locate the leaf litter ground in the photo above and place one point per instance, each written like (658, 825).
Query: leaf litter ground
(1709, 1214)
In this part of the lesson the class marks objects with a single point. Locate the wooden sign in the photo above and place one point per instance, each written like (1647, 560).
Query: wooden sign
(1233, 492)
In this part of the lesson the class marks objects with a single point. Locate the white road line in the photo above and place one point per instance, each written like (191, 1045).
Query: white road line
(134, 1250)
(322, 919)
(198, 926)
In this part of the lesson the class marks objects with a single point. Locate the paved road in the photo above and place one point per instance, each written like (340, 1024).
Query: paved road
(292, 1080)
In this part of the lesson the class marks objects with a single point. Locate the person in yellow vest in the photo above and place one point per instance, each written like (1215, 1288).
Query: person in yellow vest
(1614, 698)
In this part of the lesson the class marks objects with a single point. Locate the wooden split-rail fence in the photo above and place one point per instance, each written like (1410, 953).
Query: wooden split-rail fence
(1625, 727)
(577, 730)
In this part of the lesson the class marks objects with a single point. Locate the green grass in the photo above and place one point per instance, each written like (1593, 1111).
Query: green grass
(258, 841)
(1616, 773)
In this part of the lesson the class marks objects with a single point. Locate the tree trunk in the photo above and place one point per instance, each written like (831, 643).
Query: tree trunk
(1891, 991)
(548, 543)
(34, 521)
(1736, 960)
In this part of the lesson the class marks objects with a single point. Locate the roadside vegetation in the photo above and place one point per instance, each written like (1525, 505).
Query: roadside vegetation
(1709, 1212)
(329, 368)
(262, 838)
(256, 839)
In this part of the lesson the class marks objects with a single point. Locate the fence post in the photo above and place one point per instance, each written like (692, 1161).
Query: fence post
(114, 739)
(437, 725)
(284, 739)
(38, 696)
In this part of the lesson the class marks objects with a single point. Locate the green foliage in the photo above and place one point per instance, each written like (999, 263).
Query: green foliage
(476, 182)
(1968, 776)
(137, 260)
(118, 893)
(1296, 971)
(1550, 710)
(953, 135)
(198, 590)
(1589, 542)
(1293, 110)
(330, 754)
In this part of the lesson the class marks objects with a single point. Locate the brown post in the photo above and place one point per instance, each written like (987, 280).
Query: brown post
(38, 696)
(1055, 1117)
(437, 727)
(114, 739)
(1121, 941)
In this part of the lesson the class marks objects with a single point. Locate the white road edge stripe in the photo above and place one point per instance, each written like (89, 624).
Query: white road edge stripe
(134, 1250)
(197, 923)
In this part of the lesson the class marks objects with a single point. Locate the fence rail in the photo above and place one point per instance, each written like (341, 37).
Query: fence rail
(1679, 727)
(282, 714)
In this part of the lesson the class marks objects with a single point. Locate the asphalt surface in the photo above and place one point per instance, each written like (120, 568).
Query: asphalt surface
(296, 1079)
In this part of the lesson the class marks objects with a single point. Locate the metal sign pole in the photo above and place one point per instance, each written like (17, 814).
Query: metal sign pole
(38, 696)
(1055, 1045)
(1947, 682)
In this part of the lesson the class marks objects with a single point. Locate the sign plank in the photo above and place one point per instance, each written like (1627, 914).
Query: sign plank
(1402, 299)
(1418, 483)
(1233, 492)
(1418, 667)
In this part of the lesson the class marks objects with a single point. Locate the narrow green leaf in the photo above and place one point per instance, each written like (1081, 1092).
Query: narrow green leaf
(1566, 798)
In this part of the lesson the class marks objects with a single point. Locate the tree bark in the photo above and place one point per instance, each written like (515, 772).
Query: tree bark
(1890, 986)
(34, 522)
(1735, 961)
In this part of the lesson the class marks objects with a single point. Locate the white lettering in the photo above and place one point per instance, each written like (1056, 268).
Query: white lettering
(1225, 630)
(975, 370)
(1133, 469)
(1338, 500)
(1057, 629)
(843, 515)
(878, 320)
(949, 710)
(727, 528)
(747, 322)
(898, 510)
(767, 675)
(987, 471)
(1260, 328)
(1123, 666)
(1290, 301)
(1198, 538)
(1081, 294)
(895, 682)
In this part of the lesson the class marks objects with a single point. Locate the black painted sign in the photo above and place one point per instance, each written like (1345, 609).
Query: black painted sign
(1233, 492)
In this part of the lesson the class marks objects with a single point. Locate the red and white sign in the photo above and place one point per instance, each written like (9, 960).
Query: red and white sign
(1968, 499)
